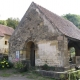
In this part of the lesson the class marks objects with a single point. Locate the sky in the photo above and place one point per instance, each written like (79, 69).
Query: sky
(17, 8)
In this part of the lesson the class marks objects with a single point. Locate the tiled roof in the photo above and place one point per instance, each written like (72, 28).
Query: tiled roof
(65, 26)
(5, 30)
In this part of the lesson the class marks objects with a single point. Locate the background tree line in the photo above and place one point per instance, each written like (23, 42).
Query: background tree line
(75, 19)
(13, 22)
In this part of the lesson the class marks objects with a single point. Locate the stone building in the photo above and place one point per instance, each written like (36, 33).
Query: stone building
(43, 37)
(5, 33)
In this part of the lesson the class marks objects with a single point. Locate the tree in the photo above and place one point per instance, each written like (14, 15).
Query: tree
(3, 22)
(12, 22)
(75, 19)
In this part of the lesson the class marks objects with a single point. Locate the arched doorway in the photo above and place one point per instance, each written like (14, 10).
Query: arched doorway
(31, 52)
(72, 47)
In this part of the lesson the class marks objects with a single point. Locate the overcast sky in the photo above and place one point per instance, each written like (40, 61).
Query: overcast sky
(17, 8)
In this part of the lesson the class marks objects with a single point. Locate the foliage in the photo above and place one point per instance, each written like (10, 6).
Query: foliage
(75, 19)
(74, 75)
(46, 67)
(3, 22)
(62, 77)
(20, 66)
(72, 50)
(31, 75)
(11, 22)
(5, 64)
(5, 75)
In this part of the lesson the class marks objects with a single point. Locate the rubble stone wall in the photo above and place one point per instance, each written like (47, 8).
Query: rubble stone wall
(34, 26)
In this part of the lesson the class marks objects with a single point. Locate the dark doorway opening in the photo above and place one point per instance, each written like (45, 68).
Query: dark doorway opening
(31, 52)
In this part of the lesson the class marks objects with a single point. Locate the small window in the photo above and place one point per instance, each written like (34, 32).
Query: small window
(5, 42)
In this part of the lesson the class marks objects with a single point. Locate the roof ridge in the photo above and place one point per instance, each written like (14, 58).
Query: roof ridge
(63, 25)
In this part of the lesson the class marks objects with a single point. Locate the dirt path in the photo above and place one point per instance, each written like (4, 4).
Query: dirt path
(14, 78)
(12, 75)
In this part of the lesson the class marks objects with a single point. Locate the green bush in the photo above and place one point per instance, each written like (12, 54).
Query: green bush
(62, 77)
(5, 64)
(74, 75)
(46, 67)
(18, 65)
(21, 67)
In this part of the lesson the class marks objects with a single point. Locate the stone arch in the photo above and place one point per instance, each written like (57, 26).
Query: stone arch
(76, 45)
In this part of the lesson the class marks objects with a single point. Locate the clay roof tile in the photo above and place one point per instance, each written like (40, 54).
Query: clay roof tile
(63, 25)
(5, 30)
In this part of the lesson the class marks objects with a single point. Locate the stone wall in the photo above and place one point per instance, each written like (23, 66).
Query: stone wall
(77, 59)
(35, 27)
(47, 53)
(63, 50)
(53, 74)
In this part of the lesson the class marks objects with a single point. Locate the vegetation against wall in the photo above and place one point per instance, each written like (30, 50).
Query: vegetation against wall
(5, 64)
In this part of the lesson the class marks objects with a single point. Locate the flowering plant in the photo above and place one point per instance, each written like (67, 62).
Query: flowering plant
(5, 64)
(20, 66)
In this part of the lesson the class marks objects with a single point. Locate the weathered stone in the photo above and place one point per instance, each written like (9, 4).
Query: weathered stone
(37, 34)
(53, 74)
(60, 38)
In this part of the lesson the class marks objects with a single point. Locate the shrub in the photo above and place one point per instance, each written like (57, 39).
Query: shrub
(74, 75)
(18, 65)
(5, 64)
(45, 67)
(62, 77)
(21, 67)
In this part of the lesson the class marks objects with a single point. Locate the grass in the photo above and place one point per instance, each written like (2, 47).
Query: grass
(29, 74)
(5, 75)
(35, 76)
